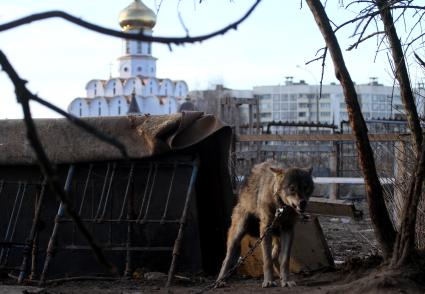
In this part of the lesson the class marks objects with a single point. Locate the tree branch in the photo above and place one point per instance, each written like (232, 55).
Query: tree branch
(24, 96)
(114, 33)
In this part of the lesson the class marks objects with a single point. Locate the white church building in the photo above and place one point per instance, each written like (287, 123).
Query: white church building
(136, 90)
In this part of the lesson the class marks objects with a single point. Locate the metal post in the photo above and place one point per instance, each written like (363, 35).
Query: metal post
(53, 237)
(177, 243)
(333, 165)
(30, 240)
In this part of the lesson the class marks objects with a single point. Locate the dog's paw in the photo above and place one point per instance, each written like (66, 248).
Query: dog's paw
(289, 284)
(268, 284)
(220, 284)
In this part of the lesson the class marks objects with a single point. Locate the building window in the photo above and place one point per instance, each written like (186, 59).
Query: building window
(119, 110)
(127, 47)
(139, 47)
(125, 69)
(139, 68)
(149, 48)
(151, 69)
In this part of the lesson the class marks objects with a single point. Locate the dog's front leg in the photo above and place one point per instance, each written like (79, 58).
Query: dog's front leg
(267, 256)
(286, 237)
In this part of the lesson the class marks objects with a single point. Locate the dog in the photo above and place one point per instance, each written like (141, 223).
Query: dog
(267, 189)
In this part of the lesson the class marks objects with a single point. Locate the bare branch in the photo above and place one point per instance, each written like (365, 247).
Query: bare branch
(114, 33)
(364, 39)
(24, 96)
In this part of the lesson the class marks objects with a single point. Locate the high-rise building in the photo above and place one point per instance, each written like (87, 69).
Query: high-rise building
(136, 89)
(301, 102)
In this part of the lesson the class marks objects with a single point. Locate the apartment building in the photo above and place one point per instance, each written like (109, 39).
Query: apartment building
(301, 102)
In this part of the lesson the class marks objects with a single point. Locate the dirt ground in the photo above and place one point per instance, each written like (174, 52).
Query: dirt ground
(352, 244)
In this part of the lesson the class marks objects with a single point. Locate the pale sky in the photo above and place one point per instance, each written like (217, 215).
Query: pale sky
(59, 58)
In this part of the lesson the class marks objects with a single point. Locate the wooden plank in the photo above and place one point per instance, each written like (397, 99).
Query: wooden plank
(347, 180)
(329, 207)
(319, 137)
(296, 148)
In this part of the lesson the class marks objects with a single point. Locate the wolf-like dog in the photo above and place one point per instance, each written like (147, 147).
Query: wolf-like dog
(268, 188)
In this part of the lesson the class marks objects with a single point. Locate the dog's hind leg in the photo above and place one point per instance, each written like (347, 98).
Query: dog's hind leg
(286, 239)
(236, 232)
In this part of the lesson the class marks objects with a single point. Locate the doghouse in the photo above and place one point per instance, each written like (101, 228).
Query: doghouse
(170, 200)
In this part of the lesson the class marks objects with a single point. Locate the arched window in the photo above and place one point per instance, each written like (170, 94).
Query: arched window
(149, 48)
(127, 47)
(139, 47)
(99, 112)
(114, 89)
(119, 107)
(80, 109)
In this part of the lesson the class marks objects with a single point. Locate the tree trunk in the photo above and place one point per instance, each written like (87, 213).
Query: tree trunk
(401, 74)
(405, 241)
(383, 227)
(404, 249)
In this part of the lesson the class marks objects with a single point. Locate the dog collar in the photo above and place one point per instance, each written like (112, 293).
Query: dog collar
(282, 205)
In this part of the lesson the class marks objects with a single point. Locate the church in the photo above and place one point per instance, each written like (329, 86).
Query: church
(136, 90)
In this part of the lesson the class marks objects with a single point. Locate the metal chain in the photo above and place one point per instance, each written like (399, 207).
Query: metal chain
(241, 260)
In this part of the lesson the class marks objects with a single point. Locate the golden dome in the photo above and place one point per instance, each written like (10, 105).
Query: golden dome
(137, 16)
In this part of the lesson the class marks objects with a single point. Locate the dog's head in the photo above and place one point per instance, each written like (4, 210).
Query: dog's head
(294, 186)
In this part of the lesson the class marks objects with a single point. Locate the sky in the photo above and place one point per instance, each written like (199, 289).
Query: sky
(58, 58)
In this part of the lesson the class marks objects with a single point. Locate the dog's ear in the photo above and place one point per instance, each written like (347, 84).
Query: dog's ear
(309, 170)
(276, 170)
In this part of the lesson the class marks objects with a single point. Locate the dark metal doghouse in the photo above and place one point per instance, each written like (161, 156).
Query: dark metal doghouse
(165, 208)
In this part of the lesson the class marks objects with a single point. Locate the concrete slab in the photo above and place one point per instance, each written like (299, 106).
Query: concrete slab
(309, 252)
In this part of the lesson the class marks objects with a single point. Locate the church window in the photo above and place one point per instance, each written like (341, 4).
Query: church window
(149, 48)
(151, 69)
(125, 69)
(127, 47)
(99, 111)
(139, 47)
(139, 68)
